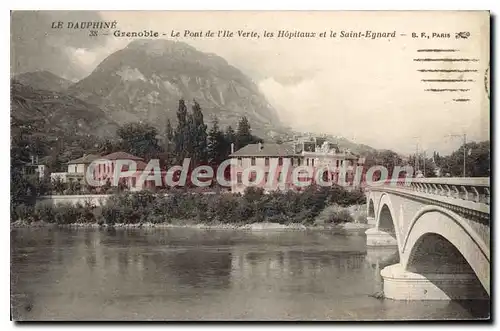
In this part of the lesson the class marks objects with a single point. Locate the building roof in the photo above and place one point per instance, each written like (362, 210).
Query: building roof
(262, 150)
(122, 156)
(85, 159)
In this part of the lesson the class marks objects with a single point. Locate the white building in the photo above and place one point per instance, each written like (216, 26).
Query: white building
(76, 169)
(316, 153)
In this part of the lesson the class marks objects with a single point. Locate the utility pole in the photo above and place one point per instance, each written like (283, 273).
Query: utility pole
(424, 162)
(464, 136)
(416, 155)
(416, 159)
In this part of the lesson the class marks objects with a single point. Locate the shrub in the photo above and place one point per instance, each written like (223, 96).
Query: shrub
(254, 206)
(23, 212)
(66, 214)
(334, 214)
(44, 212)
(342, 216)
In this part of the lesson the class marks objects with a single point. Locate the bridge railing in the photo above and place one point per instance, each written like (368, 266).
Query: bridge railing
(476, 189)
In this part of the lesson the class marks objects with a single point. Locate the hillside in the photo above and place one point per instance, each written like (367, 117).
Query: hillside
(60, 113)
(145, 81)
(43, 80)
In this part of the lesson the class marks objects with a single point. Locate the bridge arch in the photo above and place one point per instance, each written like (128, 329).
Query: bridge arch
(371, 208)
(438, 235)
(386, 218)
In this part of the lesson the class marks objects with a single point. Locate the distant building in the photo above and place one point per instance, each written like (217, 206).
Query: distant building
(76, 169)
(260, 155)
(33, 168)
(315, 153)
(106, 171)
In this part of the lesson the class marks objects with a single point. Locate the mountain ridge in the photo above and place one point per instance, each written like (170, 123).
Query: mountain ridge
(43, 80)
(145, 80)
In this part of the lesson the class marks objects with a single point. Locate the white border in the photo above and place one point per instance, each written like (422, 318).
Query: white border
(493, 6)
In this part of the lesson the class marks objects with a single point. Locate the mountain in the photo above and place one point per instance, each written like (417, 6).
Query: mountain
(60, 114)
(145, 80)
(43, 80)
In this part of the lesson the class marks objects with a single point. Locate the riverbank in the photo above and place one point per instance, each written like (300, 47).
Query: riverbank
(201, 226)
(254, 210)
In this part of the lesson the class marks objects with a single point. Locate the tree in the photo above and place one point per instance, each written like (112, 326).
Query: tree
(139, 139)
(243, 133)
(477, 161)
(386, 158)
(169, 132)
(198, 136)
(181, 135)
(216, 146)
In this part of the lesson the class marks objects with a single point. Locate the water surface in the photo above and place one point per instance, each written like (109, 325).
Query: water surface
(190, 274)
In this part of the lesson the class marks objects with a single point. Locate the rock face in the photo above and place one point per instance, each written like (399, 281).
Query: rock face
(58, 113)
(145, 81)
(43, 80)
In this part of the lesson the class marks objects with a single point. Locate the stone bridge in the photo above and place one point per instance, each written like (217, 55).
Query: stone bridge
(441, 227)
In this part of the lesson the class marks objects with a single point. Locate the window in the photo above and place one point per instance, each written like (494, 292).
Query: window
(266, 176)
(239, 162)
(239, 180)
(307, 162)
(291, 161)
(266, 161)
(280, 161)
(252, 161)
(299, 162)
(312, 162)
(337, 163)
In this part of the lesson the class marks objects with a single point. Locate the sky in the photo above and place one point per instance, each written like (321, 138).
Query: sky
(366, 90)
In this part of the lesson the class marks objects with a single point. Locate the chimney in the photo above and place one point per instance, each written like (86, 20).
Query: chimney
(232, 148)
(32, 159)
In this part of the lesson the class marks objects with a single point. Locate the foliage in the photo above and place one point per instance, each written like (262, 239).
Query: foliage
(477, 161)
(254, 206)
(139, 139)
(334, 214)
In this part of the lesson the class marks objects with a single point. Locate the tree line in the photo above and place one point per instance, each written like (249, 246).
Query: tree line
(190, 138)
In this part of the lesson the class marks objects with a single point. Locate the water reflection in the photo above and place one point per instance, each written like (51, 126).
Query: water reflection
(192, 274)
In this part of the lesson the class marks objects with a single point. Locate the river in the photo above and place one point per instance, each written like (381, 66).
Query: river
(192, 274)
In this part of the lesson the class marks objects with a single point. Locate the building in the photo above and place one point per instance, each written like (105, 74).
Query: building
(76, 170)
(260, 155)
(320, 153)
(105, 171)
(33, 168)
(315, 153)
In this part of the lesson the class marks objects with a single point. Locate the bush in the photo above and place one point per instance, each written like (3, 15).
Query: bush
(23, 212)
(334, 214)
(342, 216)
(66, 214)
(254, 206)
(45, 213)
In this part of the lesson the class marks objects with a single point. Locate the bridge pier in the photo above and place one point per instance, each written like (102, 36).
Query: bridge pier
(377, 237)
(371, 220)
(400, 284)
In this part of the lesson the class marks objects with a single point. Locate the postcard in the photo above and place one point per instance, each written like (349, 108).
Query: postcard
(250, 165)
